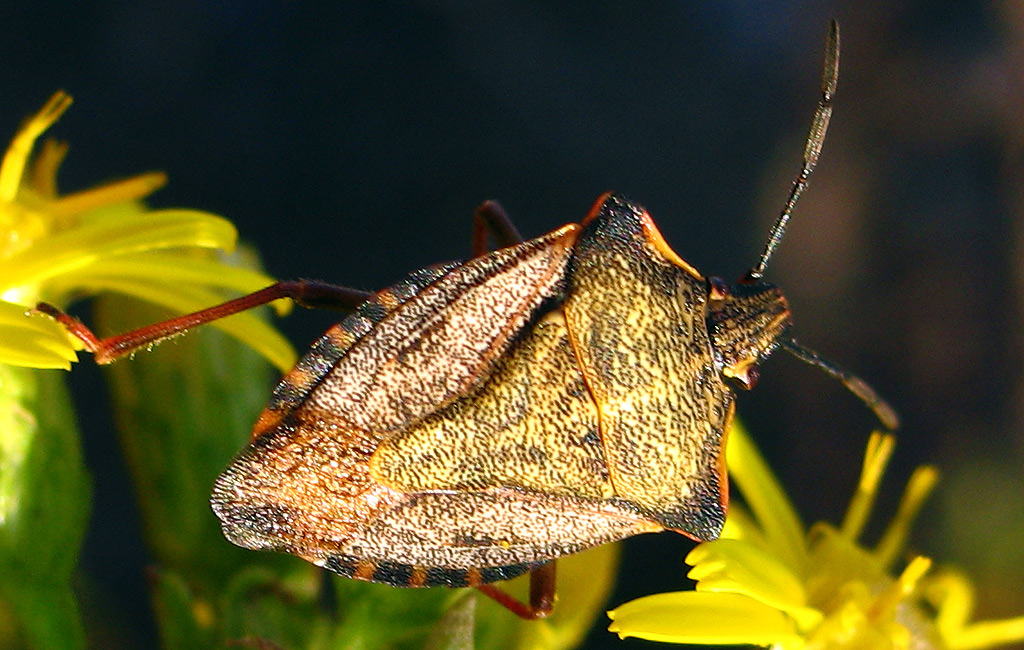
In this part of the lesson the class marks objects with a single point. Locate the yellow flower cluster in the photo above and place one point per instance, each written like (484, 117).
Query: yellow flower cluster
(57, 248)
(769, 582)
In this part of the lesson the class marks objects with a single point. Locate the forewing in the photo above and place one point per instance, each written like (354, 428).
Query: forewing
(303, 484)
(308, 492)
(415, 347)
(467, 538)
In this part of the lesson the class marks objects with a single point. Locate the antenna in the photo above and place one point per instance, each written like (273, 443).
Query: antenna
(885, 413)
(812, 150)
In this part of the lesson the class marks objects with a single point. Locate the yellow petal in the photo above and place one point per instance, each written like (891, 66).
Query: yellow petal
(876, 458)
(704, 619)
(123, 191)
(30, 351)
(740, 524)
(33, 342)
(921, 484)
(74, 249)
(175, 270)
(835, 563)
(765, 498)
(729, 565)
(42, 178)
(892, 597)
(18, 152)
(951, 594)
(848, 628)
(989, 634)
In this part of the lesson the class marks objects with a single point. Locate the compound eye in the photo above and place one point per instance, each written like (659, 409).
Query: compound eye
(718, 291)
(745, 377)
(753, 374)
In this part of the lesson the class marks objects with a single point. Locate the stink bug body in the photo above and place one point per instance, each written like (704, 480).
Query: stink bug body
(480, 419)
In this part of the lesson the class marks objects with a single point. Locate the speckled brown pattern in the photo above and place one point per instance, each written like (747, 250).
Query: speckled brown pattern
(637, 323)
(480, 419)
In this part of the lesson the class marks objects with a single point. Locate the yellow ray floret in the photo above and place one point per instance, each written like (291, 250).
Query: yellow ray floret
(56, 247)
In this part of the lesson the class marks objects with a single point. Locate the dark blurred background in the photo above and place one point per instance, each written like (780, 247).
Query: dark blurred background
(351, 142)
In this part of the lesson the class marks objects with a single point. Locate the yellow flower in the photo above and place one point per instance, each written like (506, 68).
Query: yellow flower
(768, 582)
(56, 248)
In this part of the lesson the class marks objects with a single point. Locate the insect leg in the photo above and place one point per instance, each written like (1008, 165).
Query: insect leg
(308, 293)
(491, 220)
(542, 588)
(542, 594)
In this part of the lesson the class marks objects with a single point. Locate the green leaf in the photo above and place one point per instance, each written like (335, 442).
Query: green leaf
(183, 411)
(44, 506)
(374, 616)
(183, 620)
(46, 611)
(261, 603)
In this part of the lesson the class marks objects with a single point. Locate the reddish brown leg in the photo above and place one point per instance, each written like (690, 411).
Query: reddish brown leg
(491, 220)
(307, 293)
(542, 594)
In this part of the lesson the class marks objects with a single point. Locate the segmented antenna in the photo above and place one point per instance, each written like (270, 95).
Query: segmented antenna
(885, 413)
(812, 150)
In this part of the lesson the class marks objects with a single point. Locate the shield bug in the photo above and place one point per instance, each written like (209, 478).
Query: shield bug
(480, 419)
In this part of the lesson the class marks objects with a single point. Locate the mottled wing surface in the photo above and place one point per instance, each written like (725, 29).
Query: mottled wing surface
(521, 477)
(478, 420)
(304, 484)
